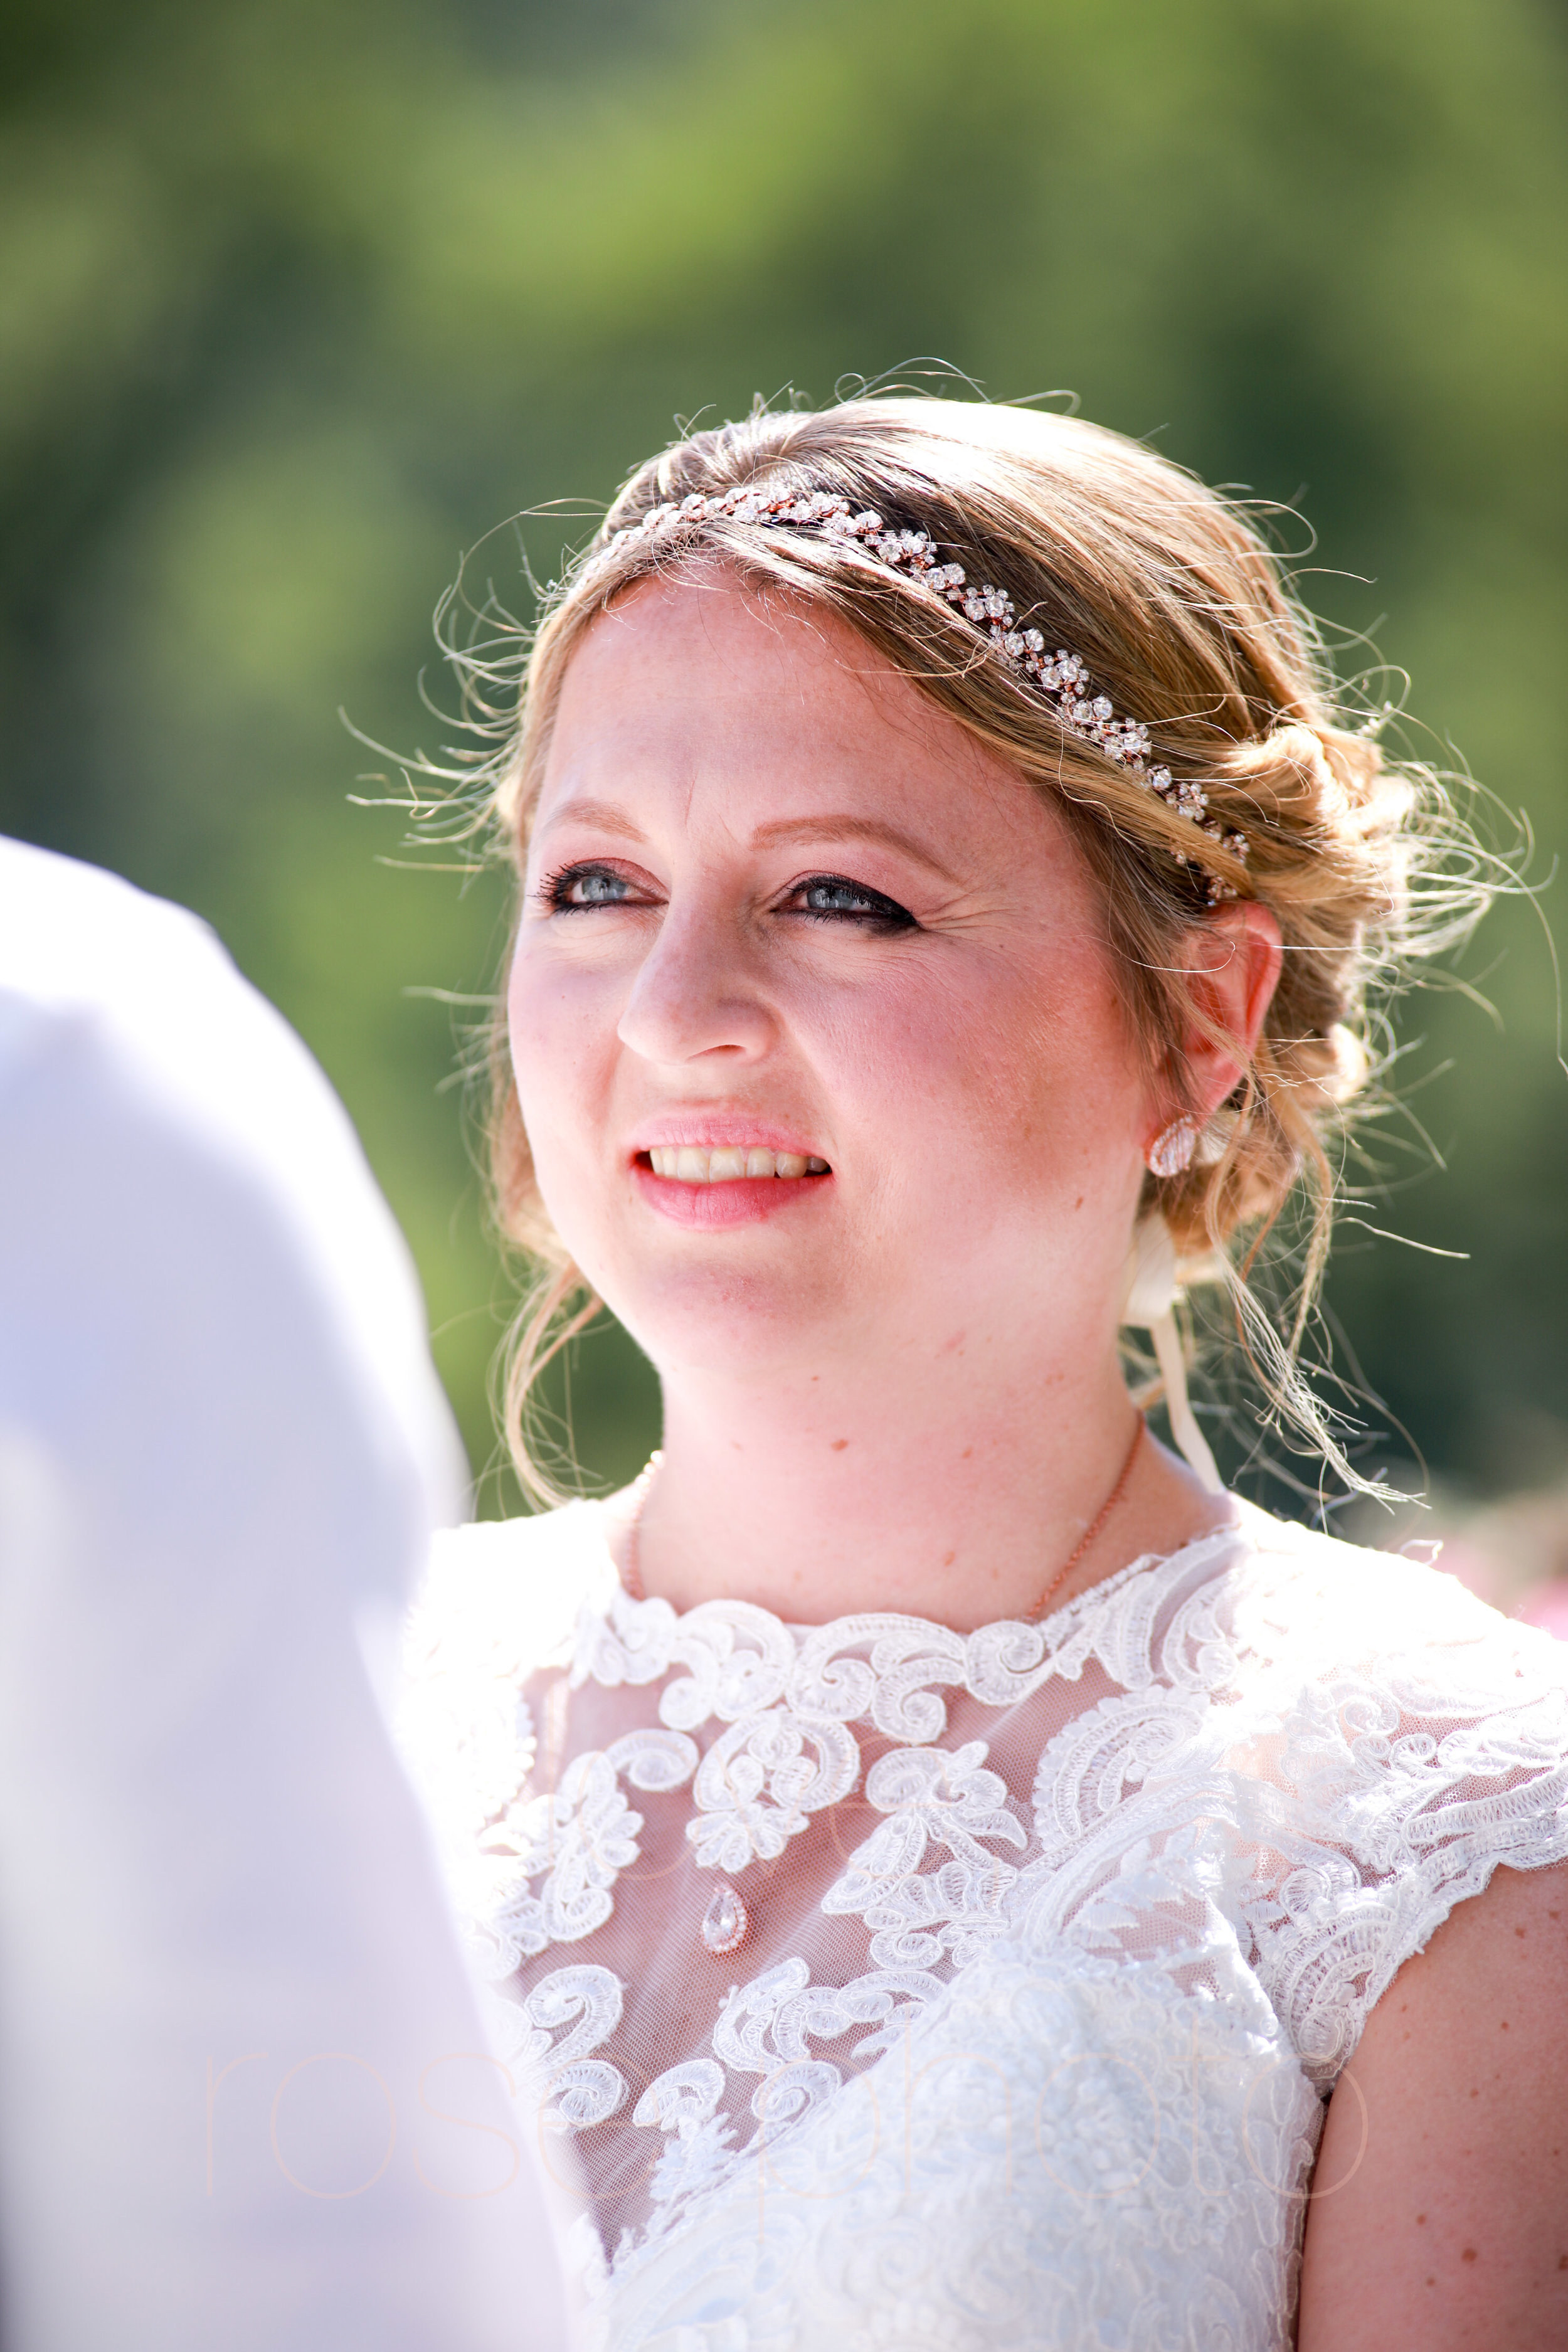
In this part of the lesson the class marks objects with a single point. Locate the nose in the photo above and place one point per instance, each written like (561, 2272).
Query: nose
(696, 994)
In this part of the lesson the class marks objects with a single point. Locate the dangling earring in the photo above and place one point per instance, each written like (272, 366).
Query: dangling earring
(1172, 1149)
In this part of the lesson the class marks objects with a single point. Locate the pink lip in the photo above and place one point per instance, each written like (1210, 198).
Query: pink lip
(714, 1208)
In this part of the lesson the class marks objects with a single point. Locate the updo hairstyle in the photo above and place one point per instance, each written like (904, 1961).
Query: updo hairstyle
(1177, 607)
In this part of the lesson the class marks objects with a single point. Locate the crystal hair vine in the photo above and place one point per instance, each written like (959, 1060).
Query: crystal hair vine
(1060, 676)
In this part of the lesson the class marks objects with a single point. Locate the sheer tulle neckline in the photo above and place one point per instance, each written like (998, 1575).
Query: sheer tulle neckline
(1216, 1797)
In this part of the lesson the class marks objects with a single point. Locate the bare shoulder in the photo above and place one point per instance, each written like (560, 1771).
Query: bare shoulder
(1439, 2211)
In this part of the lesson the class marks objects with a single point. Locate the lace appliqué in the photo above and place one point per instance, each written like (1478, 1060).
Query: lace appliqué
(1268, 1768)
(575, 1842)
(917, 1916)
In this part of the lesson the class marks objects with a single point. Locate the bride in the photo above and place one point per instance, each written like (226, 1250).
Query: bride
(958, 1877)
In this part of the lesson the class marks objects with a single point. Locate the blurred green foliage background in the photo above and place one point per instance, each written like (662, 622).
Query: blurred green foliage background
(301, 297)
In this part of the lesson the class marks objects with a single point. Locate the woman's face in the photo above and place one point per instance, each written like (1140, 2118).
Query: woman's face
(817, 1041)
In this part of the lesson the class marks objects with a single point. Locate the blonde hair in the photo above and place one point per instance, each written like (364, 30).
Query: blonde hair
(1172, 598)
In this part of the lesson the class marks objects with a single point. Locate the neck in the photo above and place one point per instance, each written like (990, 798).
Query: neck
(958, 1499)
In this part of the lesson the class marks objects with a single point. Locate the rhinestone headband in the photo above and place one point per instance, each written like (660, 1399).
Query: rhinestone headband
(1060, 676)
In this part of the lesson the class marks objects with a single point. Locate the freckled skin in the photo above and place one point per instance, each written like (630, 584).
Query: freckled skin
(913, 1370)
(963, 1078)
(1464, 2158)
(920, 1348)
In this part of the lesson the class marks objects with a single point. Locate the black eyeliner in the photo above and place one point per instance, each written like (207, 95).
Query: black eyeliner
(885, 913)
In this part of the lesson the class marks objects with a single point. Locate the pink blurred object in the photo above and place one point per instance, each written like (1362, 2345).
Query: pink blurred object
(1476, 1570)
(1546, 1605)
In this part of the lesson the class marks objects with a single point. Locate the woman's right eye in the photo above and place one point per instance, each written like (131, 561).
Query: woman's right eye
(576, 886)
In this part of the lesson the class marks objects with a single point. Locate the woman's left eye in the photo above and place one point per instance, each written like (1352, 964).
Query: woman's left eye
(830, 896)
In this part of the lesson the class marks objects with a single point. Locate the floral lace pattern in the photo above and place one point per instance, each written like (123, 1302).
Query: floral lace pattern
(1059, 1931)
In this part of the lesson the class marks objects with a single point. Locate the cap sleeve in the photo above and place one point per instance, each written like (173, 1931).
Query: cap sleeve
(1407, 1741)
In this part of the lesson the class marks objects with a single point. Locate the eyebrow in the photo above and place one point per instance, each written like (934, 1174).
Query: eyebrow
(603, 813)
(805, 830)
(782, 833)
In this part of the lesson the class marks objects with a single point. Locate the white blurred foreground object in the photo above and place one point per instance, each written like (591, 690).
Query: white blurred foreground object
(244, 2105)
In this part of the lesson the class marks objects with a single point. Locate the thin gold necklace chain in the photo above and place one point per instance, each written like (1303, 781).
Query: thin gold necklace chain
(1093, 1530)
(631, 1574)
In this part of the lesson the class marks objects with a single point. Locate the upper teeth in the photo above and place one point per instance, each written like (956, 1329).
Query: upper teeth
(690, 1164)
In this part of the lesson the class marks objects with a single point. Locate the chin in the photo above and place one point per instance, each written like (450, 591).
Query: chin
(729, 1317)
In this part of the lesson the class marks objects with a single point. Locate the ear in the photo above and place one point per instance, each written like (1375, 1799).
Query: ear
(1233, 961)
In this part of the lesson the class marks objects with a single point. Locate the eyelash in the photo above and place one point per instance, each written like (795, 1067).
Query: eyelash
(553, 889)
(882, 913)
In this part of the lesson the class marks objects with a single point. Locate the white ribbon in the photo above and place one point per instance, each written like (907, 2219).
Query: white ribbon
(1151, 1288)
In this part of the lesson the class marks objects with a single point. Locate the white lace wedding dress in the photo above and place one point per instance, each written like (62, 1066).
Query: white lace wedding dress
(1058, 1934)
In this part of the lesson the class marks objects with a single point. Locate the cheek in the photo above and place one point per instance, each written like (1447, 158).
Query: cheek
(561, 1043)
(557, 1026)
(531, 1020)
(1028, 1076)
(1084, 1092)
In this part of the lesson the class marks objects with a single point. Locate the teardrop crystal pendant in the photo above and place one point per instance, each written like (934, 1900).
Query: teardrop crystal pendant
(724, 1923)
